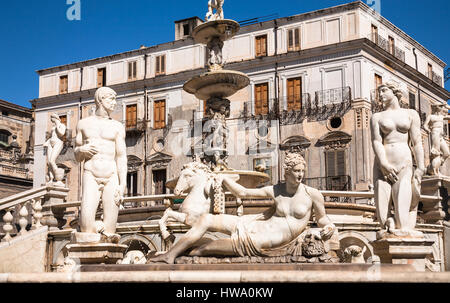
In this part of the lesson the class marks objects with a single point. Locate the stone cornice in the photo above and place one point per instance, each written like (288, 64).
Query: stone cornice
(250, 28)
(338, 49)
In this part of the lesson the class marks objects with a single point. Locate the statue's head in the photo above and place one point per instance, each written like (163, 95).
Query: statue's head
(105, 98)
(295, 167)
(54, 117)
(389, 91)
(438, 108)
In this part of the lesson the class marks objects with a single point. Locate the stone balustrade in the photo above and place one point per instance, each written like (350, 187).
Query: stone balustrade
(26, 221)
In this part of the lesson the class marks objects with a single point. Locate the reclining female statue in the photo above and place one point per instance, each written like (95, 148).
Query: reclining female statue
(258, 235)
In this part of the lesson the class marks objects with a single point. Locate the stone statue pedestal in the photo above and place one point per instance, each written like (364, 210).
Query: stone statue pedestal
(438, 186)
(52, 216)
(403, 251)
(94, 248)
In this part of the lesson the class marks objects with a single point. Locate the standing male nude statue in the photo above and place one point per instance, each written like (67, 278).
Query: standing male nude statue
(100, 144)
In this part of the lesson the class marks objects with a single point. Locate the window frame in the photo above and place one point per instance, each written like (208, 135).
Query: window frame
(258, 46)
(160, 68)
(296, 39)
(66, 84)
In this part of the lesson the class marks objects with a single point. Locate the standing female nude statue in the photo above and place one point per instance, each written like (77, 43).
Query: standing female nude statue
(396, 180)
(254, 235)
(54, 146)
(434, 124)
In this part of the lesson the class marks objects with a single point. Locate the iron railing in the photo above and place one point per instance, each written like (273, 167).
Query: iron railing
(384, 44)
(377, 106)
(336, 183)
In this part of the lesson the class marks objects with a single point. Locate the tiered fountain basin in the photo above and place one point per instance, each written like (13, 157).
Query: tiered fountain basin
(222, 29)
(220, 84)
(248, 179)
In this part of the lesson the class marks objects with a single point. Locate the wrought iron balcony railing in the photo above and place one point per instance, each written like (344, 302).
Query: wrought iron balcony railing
(436, 78)
(384, 44)
(135, 126)
(339, 183)
(377, 106)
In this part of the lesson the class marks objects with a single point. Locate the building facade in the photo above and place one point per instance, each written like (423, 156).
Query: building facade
(312, 88)
(16, 148)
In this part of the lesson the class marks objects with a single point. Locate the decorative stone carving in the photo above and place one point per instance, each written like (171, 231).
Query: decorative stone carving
(396, 181)
(204, 193)
(268, 234)
(100, 146)
(434, 125)
(54, 147)
(355, 254)
(215, 5)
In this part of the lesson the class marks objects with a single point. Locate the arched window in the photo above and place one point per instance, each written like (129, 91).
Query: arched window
(4, 137)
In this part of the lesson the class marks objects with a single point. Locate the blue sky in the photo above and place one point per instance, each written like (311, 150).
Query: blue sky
(36, 34)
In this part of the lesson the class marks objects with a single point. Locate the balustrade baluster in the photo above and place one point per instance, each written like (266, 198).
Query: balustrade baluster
(37, 213)
(7, 227)
(23, 221)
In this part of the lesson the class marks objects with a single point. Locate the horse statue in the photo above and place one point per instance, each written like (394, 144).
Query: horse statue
(197, 181)
(217, 5)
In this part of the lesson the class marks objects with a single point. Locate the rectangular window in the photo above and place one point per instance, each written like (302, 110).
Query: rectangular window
(261, 46)
(160, 65)
(378, 82)
(159, 183)
(159, 114)
(63, 84)
(374, 31)
(294, 39)
(101, 77)
(132, 70)
(430, 71)
(4, 137)
(294, 94)
(391, 45)
(335, 163)
(262, 99)
(412, 100)
(131, 116)
(132, 184)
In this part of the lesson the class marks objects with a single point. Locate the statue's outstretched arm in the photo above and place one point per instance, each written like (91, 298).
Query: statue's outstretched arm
(242, 192)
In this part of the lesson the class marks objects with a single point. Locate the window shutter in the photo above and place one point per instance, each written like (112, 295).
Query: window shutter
(297, 39)
(290, 89)
(298, 93)
(131, 116)
(258, 104)
(265, 99)
(159, 114)
(331, 163)
(412, 100)
(130, 70)
(163, 64)
(258, 47)
(290, 40)
(264, 46)
(134, 70)
(340, 162)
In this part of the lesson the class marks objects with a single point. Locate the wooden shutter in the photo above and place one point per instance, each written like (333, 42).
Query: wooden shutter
(378, 81)
(412, 100)
(261, 99)
(335, 163)
(261, 46)
(290, 40)
(131, 117)
(374, 34)
(159, 113)
(294, 90)
(158, 65)
(101, 77)
(391, 45)
(132, 67)
(297, 39)
(63, 84)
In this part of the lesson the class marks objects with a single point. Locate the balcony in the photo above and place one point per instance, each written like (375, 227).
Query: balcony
(384, 44)
(135, 127)
(326, 104)
(436, 78)
(337, 183)
(377, 106)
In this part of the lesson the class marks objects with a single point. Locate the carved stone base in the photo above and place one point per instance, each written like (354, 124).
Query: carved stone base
(438, 186)
(100, 253)
(403, 251)
(254, 260)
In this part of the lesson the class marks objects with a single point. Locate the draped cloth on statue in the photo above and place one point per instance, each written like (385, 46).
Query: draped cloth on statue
(243, 244)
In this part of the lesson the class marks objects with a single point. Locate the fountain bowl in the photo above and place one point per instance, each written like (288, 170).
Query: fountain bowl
(220, 84)
(222, 29)
(247, 178)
